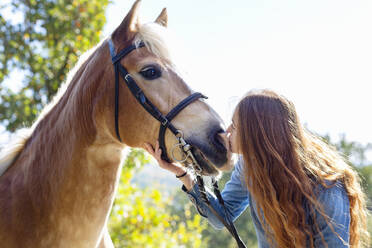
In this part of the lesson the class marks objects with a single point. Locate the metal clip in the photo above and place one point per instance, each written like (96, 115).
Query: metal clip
(127, 77)
(186, 150)
(185, 156)
(164, 122)
(179, 145)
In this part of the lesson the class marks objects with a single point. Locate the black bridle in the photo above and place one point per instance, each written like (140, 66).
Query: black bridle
(165, 122)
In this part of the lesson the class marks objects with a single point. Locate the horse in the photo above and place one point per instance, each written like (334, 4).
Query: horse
(58, 179)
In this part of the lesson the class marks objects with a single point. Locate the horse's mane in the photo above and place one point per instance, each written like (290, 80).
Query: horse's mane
(157, 41)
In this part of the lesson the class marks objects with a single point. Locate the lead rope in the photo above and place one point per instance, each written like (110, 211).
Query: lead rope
(190, 160)
(229, 224)
(233, 231)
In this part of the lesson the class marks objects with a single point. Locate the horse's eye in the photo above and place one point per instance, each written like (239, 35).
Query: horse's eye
(150, 72)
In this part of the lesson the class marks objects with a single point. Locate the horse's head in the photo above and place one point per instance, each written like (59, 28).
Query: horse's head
(153, 69)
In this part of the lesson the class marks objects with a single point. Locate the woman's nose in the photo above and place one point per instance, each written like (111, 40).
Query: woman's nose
(224, 137)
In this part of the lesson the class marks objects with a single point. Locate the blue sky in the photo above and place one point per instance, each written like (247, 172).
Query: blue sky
(317, 53)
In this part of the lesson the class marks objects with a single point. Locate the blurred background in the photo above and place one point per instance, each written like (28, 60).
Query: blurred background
(317, 53)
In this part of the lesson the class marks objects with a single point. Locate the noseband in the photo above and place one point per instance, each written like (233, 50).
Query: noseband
(165, 122)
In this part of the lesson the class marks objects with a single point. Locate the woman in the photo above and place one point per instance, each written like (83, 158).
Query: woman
(300, 191)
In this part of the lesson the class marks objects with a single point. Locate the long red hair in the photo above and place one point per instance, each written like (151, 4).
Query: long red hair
(284, 163)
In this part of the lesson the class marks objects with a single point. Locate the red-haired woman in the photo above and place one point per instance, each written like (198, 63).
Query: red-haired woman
(300, 191)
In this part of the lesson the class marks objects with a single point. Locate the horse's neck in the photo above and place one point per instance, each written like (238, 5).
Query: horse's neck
(72, 191)
(58, 157)
(88, 193)
(69, 177)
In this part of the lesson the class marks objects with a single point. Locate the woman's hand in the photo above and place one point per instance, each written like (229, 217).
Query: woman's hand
(156, 153)
(178, 170)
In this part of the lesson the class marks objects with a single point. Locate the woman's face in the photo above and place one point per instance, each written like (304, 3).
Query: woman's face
(232, 134)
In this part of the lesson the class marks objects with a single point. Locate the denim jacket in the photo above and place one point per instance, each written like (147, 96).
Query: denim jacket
(237, 198)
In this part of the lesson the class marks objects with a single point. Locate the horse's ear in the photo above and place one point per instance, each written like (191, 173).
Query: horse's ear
(162, 18)
(129, 25)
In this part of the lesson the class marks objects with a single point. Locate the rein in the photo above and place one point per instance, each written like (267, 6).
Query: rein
(165, 122)
(193, 163)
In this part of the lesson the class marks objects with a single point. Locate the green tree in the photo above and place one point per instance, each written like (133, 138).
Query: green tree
(142, 218)
(182, 207)
(354, 152)
(366, 173)
(42, 45)
(356, 155)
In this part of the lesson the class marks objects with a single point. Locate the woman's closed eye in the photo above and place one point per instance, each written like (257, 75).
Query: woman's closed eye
(233, 125)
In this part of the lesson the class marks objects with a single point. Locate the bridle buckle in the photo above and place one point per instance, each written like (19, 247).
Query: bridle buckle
(165, 122)
(127, 77)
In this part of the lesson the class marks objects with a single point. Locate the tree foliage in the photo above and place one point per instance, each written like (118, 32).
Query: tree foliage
(356, 155)
(244, 225)
(142, 217)
(354, 152)
(42, 40)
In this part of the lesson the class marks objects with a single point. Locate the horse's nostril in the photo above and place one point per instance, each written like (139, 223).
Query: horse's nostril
(214, 150)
